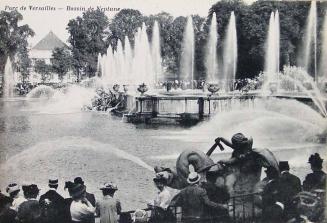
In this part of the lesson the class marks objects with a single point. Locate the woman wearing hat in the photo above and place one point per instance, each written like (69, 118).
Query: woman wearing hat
(13, 191)
(316, 179)
(81, 210)
(108, 208)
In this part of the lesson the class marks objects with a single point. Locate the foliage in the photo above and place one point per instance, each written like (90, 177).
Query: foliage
(23, 62)
(87, 38)
(44, 69)
(13, 37)
(61, 61)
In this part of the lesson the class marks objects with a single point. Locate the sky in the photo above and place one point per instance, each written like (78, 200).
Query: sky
(56, 20)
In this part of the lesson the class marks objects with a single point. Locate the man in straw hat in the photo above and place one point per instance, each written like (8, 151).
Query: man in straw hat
(81, 210)
(194, 201)
(108, 208)
(316, 179)
(52, 203)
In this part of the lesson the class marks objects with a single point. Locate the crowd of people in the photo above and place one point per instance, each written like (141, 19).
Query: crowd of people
(282, 198)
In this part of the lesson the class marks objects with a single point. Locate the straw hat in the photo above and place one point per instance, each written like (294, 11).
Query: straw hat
(109, 186)
(12, 188)
(193, 178)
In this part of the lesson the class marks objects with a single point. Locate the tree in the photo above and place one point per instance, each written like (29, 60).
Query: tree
(23, 62)
(12, 36)
(61, 61)
(87, 38)
(44, 69)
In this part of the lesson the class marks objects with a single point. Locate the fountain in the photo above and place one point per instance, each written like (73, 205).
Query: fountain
(128, 53)
(187, 57)
(156, 52)
(310, 38)
(272, 53)
(211, 61)
(8, 85)
(230, 54)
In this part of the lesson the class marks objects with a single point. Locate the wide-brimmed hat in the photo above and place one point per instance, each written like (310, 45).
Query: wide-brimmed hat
(53, 182)
(109, 186)
(315, 159)
(239, 139)
(30, 189)
(193, 178)
(283, 165)
(77, 190)
(12, 188)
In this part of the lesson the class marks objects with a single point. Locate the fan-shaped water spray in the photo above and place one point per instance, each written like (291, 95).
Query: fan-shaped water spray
(211, 61)
(323, 60)
(230, 54)
(187, 57)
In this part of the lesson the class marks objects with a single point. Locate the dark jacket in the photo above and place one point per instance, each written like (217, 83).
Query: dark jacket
(194, 201)
(315, 180)
(91, 198)
(8, 216)
(290, 185)
(52, 205)
(29, 212)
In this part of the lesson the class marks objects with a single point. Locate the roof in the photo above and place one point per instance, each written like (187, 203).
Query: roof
(49, 42)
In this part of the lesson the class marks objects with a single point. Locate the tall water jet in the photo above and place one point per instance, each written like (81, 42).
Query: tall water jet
(156, 52)
(230, 54)
(272, 50)
(211, 61)
(119, 64)
(323, 60)
(99, 65)
(310, 42)
(187, 57)
(8, 84)
(128, 53)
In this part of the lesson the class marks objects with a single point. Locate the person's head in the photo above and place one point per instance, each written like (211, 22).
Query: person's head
(283, 166)
(68, 185)
(30, 191)
(240, 142)
(79, 180)
(271, 173)
(315, 161)
(193, 178)
(77, 192)
(159, 182)
(53, 183)
(13, 190)
(108, 189)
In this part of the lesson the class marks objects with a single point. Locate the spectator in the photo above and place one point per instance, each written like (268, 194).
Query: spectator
(13, 191)
(7, 214)
(52, 204)
(67, 202)
(108, 208)
(81, 210)
(160, 211)
(290, 185)
(90, 197)
(194, 201)
(29, 211)
(316, 179)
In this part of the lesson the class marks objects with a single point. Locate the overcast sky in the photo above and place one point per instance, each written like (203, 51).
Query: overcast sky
(44, 21)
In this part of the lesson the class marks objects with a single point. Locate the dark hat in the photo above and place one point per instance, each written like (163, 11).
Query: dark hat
(77, 190)
(159, 179)
(283, 165)
(79, 180)
(315, 159)
(30, 189)
(53, 182)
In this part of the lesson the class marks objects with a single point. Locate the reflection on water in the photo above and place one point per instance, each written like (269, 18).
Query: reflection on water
(99, 147)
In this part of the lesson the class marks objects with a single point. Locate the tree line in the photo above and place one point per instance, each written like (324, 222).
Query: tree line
(91, 34)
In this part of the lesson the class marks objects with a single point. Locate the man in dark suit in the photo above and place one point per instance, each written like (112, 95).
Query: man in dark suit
(90, 197)
(316, 179)
(289, 186)
(52, 203)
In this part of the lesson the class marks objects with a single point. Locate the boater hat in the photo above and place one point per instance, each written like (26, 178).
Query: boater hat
(53, 182)
(109, 186)
(193, 178)
(12, 188)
